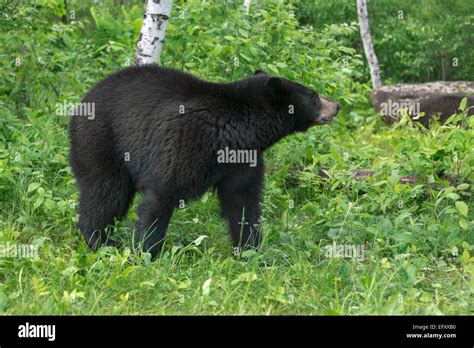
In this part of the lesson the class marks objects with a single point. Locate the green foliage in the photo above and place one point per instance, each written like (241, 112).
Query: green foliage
(270, 39)
(415, 41)
(418, 238)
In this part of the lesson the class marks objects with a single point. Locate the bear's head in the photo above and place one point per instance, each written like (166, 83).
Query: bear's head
(299, 101)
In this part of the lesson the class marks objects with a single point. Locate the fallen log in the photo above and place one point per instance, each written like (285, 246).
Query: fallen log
(432, 98)
(361, 174)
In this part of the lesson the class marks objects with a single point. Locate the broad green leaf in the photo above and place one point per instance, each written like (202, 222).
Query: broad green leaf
(33, 186)
(463, 104)
(206, 287)
(462, 207)
(199, 239)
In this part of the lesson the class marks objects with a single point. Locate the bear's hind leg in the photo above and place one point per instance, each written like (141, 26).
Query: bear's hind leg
(154, 216)
(100, 203)
(239, 196)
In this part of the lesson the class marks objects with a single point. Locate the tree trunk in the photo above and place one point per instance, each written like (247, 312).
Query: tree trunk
(367, 41)
(247, 5)
(152, 34)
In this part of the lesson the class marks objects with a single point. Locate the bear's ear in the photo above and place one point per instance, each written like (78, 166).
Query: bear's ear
(260, 73)
(276, 88)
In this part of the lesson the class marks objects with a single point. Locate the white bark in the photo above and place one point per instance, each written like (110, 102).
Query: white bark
(152, 34)
(368, 46)
(247, 5)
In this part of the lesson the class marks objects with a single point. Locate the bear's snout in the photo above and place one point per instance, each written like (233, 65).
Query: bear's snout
(328, 110)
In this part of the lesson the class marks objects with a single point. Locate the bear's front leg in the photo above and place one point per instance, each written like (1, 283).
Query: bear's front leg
(239, 196)
(154, 216)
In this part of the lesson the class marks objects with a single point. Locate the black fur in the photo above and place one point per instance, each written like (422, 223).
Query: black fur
(173, 155)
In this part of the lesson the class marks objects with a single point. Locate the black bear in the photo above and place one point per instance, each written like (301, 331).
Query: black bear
(172, 136)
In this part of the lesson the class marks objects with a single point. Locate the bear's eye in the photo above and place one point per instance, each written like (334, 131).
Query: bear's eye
(316, 99)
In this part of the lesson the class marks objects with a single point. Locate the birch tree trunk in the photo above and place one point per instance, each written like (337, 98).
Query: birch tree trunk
(152, 34)
(368, 46)
(247, 5)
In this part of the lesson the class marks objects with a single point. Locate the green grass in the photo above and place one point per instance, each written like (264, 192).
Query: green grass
(416, 253)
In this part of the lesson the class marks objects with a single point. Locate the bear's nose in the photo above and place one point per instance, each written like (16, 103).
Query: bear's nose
(338, 106)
